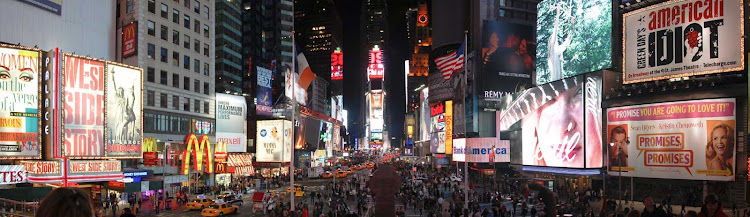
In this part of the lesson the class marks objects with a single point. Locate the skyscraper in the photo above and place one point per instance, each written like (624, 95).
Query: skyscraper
(419, 33)
(229, 74)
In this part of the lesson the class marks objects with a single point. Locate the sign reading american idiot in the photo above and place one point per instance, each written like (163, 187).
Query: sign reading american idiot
(19, 103)
(683, 38)
(83, 104)
(676, 140)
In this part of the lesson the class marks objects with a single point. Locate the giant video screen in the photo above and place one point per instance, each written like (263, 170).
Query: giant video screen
(563, 125)
(693, 140)
(573, 37)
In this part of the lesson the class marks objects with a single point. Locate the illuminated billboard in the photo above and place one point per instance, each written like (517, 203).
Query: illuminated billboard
(375, 68)
(264, 105)
(337, 65)
(129, 39)
(562, 129)
(437, 127)
(231, 111)
(573, 37)
(508, 58)
(83, 107)
(675, 140)
(274, 141)
(683, 38)
(19, 97)
(124, 111)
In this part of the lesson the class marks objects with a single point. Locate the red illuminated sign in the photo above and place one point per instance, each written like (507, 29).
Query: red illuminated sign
(437, 109)
(337, 63)
(375, 68)
(129, 40)
(95, 166)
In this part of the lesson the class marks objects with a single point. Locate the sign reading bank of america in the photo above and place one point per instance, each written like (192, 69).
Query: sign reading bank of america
(479, 150)
(683, 38)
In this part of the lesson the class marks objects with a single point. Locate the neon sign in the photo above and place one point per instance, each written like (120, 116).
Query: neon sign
(220, 152)
(375, 68)
(202, 146)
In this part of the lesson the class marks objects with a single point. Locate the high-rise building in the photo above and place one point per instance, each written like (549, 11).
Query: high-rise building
(229, 74)
(175, 48)
(419, 34)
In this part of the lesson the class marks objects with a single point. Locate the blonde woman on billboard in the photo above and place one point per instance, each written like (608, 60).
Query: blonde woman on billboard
(720, 148)
(554, 49)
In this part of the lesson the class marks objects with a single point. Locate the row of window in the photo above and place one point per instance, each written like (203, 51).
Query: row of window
(176, 38)
(186, 18)
(176, 102)
(176, 124)
(165, 8)
(164, 55)
(151, 77)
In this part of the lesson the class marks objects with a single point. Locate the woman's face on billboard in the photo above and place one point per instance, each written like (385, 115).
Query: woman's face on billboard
(560, 130)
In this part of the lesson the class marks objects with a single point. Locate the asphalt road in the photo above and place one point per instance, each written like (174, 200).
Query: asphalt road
(247, 208)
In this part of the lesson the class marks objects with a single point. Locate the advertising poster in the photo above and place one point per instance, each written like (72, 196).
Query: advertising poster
(264, 97)
(683, 38)
(375, 68)
(54, 6)
(129, 39)
(448, 146)
(274, 141)
(230, 121)
(292, 90)
(693, 140)
(557, 126)
(437, 127)
(299, 134)
(337, 65)
(480, 150)
(12, 174)
(124, 111)
(19, 103)
(573, 37)
(83, 107)
(508, 53)
(459, 150)
(424, 114)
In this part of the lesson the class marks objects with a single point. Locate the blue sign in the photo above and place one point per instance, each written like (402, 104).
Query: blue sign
(264, 105)
(135, 174)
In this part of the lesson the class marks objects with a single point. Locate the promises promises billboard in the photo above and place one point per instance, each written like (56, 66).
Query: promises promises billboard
(675, 140)
(274, 141)
(573, 37)
(83, 107)
(230, 121)
(124, 119)
(19, 103)
(683, 38)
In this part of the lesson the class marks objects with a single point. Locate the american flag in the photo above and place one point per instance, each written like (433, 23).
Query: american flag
(451, 62)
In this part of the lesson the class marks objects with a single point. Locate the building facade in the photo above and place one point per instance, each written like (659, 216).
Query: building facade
(229, 74)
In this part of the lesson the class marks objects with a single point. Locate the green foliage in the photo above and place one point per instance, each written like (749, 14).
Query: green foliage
(590, 48)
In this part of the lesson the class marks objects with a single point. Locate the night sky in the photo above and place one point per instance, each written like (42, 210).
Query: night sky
(354, 74)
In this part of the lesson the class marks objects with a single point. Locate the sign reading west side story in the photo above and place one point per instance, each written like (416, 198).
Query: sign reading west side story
(683, 38)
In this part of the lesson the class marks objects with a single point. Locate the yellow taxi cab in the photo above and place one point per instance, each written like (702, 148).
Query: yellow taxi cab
(349, 171)
(298, 192)
(199, 204)
(357, 167)
(369, 165)
(220, 209)
(327, 175)
(340, 174)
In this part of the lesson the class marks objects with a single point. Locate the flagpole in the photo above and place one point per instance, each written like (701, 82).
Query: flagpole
(294, 107)
(466, 129)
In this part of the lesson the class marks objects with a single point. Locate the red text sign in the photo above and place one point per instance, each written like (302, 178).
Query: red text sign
(83, 107)
(95, 166)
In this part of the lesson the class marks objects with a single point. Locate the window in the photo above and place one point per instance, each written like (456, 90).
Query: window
(164, 55)
(176, 102)
(186, 43)
(150, 98)
(163, 78)
(205, 88)
(150, 74)
(205, 68)
(176, 37)
(187, 21)
(176, 16)
(151, 28)
(151, 51)
(205, 49)
(151, 6)
(197, 7)
(176, 80)
(187, 3)
(197, 106)
(175, 58)
(164, 32)
(117, 10)
(205, 30)
(164, 9)
(197, 45)
(163, 100)
(197, 27)
(197, 86)
(186, 62)
(205, 11)
(206, 107)
(186, 83)
(197, 66)
(186, 106)
(128, 6)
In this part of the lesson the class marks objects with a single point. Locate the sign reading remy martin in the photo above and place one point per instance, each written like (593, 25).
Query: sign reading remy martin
(507, 58)
(573, 37)
(19, 102)
(683, 38)
(124, 111)
(83, 111)
(230, 121)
